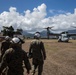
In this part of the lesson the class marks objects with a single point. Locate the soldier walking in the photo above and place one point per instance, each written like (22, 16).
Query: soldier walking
(14, 58)
(4, 46)
(38, 54)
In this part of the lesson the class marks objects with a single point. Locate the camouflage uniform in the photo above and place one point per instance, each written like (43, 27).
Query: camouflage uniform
(4, 46)
(38, 55)
(13, 59)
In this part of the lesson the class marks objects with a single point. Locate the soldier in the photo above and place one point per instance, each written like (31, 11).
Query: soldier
(4, 46)
(38, 54)
(14, 58)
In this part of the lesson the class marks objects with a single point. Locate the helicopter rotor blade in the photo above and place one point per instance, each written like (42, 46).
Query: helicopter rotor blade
(49, 27)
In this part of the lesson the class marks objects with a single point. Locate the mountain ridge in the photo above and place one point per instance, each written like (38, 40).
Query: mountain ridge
(44, 33)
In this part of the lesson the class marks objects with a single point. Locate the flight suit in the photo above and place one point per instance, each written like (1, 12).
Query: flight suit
(13, 59)
(38, 55)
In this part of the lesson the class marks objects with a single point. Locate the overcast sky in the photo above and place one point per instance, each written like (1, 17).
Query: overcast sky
(34, 15)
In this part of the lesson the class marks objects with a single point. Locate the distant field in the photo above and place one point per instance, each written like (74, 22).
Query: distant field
(61, 57)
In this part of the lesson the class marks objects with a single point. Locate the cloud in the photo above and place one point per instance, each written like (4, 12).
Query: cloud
(75, 11)
(36, 20)
(57, 12)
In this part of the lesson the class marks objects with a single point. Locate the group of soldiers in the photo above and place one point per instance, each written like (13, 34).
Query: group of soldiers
(13, 56)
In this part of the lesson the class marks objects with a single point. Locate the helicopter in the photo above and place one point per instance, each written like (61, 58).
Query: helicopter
(62, 37)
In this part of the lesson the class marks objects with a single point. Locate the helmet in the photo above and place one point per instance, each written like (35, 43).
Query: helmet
(37, 35)
(15, 40)
(7, 38)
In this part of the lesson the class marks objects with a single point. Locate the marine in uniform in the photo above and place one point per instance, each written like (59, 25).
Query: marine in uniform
(38, 54)
(14, 58)
(4, 46)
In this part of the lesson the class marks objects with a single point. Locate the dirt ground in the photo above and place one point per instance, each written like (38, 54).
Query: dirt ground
(61, 57)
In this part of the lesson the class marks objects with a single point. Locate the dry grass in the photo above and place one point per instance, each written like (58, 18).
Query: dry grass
(61, 57)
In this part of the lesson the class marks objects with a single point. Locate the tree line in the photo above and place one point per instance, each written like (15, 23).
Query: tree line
(10, 31)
